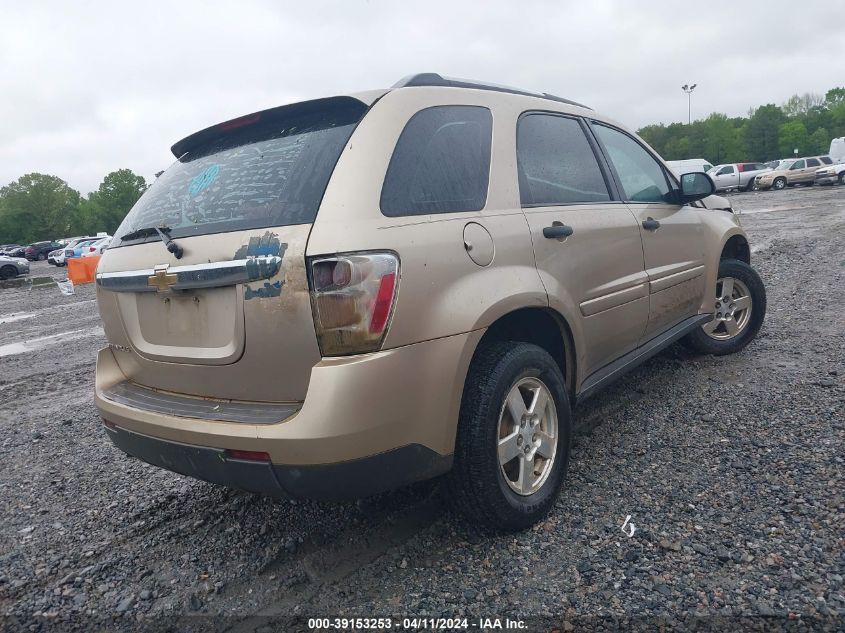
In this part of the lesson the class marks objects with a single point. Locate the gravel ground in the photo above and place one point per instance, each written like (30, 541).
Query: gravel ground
(730, 468)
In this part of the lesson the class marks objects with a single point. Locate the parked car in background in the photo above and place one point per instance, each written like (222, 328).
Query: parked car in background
(736, 175)
(14, 250)
(11, 267)
(690, 165)
(78, 248)
(797, 171)
(831, 174)
(40, 250)
(4, 247)
(57, 257)
(53, 255)
(96, 248)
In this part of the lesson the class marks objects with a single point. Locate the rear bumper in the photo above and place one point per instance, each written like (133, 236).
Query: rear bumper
(368, 423)
(330, 482)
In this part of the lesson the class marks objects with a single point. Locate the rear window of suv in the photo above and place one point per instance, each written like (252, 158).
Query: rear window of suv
(441, 163)
(267, 169)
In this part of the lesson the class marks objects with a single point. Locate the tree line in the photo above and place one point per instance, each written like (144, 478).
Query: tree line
(38, 207)
(805, 122)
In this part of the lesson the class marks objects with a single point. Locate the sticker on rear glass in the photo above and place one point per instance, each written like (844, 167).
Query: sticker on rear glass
(203, 180)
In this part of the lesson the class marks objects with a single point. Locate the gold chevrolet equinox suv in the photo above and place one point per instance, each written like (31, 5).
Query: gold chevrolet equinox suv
(337, 297)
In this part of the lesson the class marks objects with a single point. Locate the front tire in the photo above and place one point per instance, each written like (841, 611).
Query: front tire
(513, 440)
(740, 300)
(842, 178)
(8, 272)
(779, 183)
(41, 257)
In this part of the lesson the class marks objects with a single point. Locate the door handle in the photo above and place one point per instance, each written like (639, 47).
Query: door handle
(651, 224)
(557, 231)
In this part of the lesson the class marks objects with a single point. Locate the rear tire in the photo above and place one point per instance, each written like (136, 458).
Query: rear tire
(731, 334)
(502, 480)
(41, 257)
(842, 178)
(8, 272)
(750, 185)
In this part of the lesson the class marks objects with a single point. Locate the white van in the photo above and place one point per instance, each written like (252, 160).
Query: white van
(688, 166)
(837, 150)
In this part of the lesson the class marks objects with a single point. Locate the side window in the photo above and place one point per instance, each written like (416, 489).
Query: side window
(727, 169)
(556, 163)
(641, 175)
(813, 162)
(798, 164)
(827, 160)
(441, 163)
(706, 167)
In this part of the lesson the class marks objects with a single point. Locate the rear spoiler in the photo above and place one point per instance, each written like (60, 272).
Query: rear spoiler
(355, 107)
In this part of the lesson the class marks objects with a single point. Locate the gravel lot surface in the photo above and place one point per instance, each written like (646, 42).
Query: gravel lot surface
(732, 470)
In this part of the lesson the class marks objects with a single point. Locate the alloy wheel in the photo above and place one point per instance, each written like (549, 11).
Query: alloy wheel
(527, 436)
(733, 310)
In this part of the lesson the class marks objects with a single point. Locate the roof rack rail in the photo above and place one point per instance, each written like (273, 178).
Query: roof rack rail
(433, 79)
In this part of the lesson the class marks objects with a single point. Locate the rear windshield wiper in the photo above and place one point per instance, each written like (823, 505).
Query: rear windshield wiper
(161, 232)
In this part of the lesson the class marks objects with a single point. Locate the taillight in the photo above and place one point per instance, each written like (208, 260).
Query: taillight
(352, 297)
(91, 249)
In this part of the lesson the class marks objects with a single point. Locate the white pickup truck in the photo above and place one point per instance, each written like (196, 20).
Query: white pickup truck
(736, 175)
(831, 174)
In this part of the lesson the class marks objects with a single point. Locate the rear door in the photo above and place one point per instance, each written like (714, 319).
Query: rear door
(672, 235)
(808, 174)
(232, 317)
(587, 245)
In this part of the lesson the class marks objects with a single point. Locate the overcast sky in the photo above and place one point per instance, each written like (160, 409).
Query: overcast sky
(89, 87)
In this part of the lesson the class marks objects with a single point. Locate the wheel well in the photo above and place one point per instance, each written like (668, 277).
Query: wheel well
(542, 327)
(737, 248)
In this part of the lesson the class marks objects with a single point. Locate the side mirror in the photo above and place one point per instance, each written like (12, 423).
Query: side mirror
(696, 186)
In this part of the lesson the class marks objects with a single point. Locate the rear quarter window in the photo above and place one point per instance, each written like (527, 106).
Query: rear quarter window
(441, 163)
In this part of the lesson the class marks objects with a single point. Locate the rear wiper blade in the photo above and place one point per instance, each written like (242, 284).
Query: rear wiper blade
(161, 232)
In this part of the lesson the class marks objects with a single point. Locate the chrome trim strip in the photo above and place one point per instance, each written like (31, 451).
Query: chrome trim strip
(212, 275)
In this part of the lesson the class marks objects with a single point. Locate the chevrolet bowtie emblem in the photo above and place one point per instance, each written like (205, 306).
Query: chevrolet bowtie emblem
(161, 280)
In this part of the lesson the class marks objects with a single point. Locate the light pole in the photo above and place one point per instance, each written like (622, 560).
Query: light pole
(688, 90)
